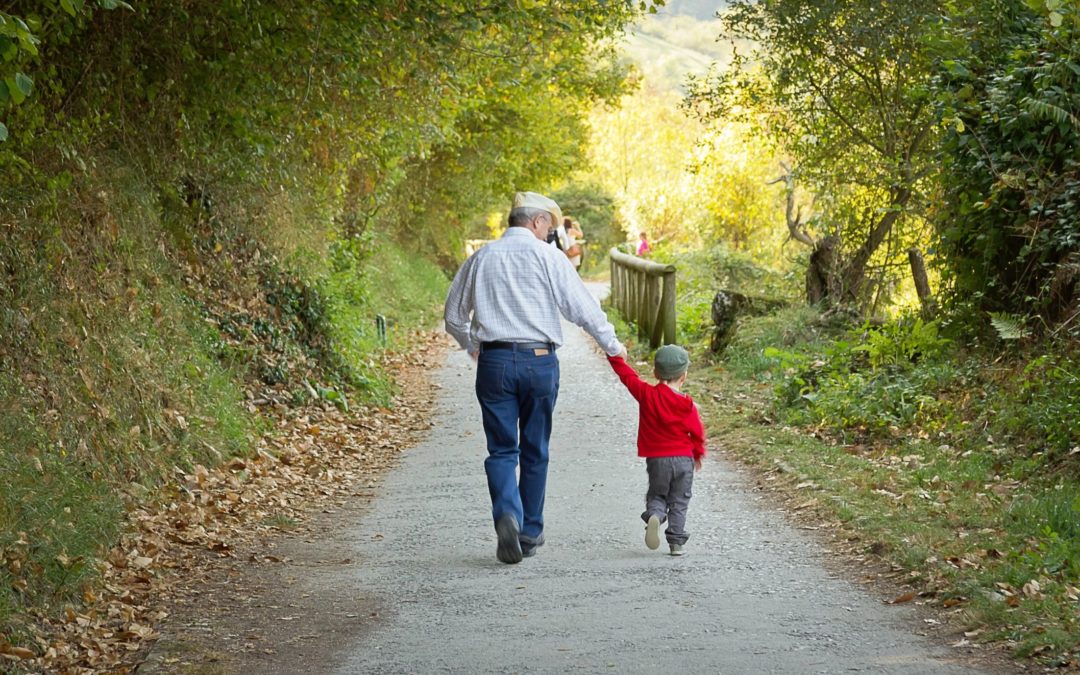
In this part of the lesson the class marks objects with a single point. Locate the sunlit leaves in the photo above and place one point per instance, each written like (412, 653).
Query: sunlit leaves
(841, 89)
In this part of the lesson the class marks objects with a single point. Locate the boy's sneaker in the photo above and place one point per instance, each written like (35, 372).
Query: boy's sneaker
(677, 549)
(652, 533)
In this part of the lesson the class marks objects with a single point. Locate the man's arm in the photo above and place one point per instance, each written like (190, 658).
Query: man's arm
(579, 306)
(457, 312)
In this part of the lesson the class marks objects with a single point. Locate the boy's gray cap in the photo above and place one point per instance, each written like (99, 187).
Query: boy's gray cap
(671, 361)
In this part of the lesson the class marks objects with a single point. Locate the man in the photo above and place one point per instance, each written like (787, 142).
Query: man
(503, 308)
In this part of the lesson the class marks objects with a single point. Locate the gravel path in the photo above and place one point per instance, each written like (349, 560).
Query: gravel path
(751, 596)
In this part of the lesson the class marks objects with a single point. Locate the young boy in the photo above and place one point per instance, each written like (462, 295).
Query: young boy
(670, 438)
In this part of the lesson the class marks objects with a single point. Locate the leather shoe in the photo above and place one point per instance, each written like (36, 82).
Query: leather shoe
(509, 548)
(530, 544)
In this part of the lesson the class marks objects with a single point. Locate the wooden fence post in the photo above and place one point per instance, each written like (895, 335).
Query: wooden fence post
(667, 309)
(644, 293)
(642, 306)
(656, 309)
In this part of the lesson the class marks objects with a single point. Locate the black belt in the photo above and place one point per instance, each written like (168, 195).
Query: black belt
(517, 346)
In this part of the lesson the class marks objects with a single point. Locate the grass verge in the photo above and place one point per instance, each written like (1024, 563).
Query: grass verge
(141, 335)
(924, 467)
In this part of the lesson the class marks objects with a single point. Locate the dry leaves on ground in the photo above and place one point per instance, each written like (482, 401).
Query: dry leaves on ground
(316, 453)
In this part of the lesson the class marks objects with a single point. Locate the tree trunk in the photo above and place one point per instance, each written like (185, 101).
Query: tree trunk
(922, 283)
(1065, 287)
(822, 279)
(727, 307)
(854, 277)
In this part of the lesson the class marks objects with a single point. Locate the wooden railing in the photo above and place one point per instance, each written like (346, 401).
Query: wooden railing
(644, 293)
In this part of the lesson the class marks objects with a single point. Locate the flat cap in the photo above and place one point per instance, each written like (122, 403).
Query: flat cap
(535, 200)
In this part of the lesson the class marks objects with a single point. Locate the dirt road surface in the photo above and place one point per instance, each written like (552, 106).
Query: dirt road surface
(410, 584)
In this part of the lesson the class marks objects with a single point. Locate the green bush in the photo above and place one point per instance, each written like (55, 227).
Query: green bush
(1042, 407)
(701, 273)
(594, 209)
(903, 375)
(879, 402)
(898, 344)
(378, 281)
(1010, 222)
(875, 380)
(766, 346)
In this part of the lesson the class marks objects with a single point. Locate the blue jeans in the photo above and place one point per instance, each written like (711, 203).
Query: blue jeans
(517, 391)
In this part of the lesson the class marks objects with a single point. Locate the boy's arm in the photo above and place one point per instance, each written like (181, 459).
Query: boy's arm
(628, 376)
(697, 433)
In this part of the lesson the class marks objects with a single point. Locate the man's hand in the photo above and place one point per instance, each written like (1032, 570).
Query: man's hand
(475, 356)
(622, 354)
(697, 464)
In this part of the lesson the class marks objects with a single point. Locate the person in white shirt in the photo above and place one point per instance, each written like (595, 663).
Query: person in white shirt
(574, 239)
(504, 308)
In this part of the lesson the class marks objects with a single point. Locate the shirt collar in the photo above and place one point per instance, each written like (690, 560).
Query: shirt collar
(518, 232)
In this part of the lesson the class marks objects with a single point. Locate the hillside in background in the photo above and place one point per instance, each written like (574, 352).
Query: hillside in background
(697, 9)
(680, 39)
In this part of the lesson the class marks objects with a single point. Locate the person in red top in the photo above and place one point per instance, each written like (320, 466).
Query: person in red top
(671, 438)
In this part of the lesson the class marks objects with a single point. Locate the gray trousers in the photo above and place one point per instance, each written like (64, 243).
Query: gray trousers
(670, 483)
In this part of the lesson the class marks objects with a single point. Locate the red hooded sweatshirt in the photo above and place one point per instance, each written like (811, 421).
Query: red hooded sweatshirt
(668, 421)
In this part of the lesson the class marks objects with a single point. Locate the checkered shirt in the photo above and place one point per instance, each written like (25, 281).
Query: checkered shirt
(514, 290)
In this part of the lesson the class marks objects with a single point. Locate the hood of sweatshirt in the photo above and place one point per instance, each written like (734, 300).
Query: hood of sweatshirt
(673, 402)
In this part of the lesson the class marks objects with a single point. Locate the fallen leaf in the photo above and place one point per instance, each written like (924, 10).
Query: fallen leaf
(17, 652)
(1032, 589)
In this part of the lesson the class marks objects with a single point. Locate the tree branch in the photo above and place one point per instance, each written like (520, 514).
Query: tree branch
(794, 224)
(863, 138)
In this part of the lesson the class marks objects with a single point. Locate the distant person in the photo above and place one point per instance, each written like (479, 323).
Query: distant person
(573, 242)
(671, 438)
(643, 248)
(557, 237)
(575, 230)
(504, 309)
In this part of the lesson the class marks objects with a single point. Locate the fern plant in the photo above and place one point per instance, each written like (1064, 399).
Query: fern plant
(900, 343)
(1009, 326)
